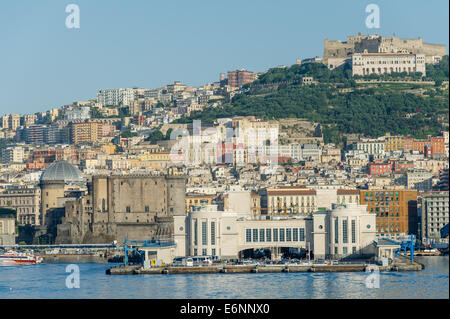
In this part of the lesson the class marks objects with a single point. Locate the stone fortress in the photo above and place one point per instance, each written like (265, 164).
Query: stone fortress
(337, 53)
(135, 207)
(108, 208)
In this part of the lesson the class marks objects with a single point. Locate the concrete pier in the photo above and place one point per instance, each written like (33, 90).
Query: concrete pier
(73, 259)
(338, 268)
(129, 270)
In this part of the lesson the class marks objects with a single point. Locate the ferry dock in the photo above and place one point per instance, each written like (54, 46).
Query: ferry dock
(404, 265)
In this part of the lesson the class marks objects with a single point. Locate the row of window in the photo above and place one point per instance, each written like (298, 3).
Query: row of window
(381, 193)
(389, 62)
(204, 233)
(9, 202)
(274, 235)
(344, 250)
(386, 214)
(205, 252)
(344, 231)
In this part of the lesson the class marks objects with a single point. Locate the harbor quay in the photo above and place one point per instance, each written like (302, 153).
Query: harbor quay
(402, 265)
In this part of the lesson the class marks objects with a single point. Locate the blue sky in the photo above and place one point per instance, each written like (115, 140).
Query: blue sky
(148, 43)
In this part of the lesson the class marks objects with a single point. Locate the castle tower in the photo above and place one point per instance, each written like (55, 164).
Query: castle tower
(52, 183)
(50, 192)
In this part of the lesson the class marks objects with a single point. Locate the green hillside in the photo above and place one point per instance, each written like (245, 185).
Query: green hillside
(340, 104)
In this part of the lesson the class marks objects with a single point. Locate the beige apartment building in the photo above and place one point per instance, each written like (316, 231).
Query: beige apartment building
(89, 132)
(25, 201)
(86, 132)
(290, 199)
(11, 121)
(254, 134)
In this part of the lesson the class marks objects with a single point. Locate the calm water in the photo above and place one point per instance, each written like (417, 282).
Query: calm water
(48, 281)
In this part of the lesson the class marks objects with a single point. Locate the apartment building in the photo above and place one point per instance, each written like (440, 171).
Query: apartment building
(76, 113)
(11, 121)
(115, 97)
(241, 77)
(12, 154)
(429, 147)
(289, 199)
(89, 132)
(29, 119)
(420, 180)
(435, 213)
(196, 199)
(25, 201)
(393, 143)
(371, 147)
(396, 210)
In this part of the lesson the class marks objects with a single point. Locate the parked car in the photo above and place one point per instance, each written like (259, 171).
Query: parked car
(189, 262)
(294, 261)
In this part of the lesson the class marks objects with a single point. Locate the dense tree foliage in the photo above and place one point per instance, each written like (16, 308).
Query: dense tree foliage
(438, 72)
(368, 111)
(128, 134)
(157, 135)
(317, 70)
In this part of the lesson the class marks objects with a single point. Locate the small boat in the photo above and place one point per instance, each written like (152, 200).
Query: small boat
(13, 257)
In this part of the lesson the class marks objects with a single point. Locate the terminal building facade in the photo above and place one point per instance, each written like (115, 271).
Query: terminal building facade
(346, 231)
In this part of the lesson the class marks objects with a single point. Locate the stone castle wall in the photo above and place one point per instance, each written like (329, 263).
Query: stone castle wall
(136, 207)
(374, 44)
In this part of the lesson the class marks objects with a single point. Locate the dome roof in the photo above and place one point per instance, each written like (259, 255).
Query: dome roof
(62, 171)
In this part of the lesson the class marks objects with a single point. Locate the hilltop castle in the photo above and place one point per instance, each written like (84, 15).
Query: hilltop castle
(336, 53)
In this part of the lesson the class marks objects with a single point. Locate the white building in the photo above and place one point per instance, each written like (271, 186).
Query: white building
(293, 151)
(381, 63)
(421, 180)
(347, 231)
(351, 231)
(13, 154)
(77, 113)
(435, 214)
(371, 147)
(115, 97)
(311, 152)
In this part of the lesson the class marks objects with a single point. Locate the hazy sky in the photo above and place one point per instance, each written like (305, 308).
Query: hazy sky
(147, 43)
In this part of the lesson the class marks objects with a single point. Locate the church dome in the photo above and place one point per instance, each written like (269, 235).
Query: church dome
(62, 171)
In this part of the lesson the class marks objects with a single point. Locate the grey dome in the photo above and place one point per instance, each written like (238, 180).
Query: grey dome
(62, 171)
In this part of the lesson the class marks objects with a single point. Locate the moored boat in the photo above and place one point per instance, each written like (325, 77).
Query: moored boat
(13, 257)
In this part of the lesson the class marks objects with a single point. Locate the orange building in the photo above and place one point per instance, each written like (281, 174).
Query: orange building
(239, 78)
(396, 210)
(433, 145)
(89, 132)
(84, 132)
(193, 199)
(393, 143)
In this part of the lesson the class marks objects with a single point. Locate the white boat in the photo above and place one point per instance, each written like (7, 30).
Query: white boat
(13, 257)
